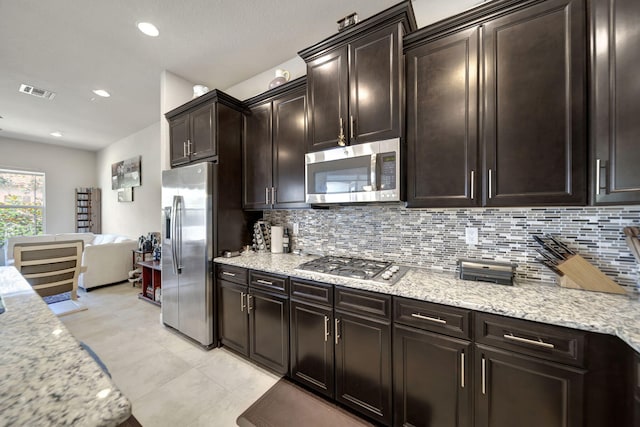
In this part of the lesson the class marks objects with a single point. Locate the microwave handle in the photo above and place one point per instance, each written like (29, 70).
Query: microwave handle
(374, 172)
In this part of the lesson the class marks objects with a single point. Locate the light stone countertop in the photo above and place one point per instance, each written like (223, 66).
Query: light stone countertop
(612, 314)
(46, 378)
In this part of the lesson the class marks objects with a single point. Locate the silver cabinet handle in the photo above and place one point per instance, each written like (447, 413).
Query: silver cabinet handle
(473, 184)
(226, 273)
(490, 177)
(462, 369)
(189, 147)
(242, 304)
(264, 282)
(184, 149)
(597, 177)
(273, 195)
(484, 376)
(341, 139)
(430, 319)
(249, 306)
(337, 330)
(352, 127)
(266, 195)
(326, 328)
(538, 343)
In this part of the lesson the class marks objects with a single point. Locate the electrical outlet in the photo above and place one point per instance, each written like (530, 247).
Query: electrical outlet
(471, 235)
(296, 229)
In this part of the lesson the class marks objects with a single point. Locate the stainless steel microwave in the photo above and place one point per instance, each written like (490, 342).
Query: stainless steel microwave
(358, 173)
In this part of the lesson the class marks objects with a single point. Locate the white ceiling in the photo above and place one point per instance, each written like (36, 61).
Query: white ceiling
(71, 47)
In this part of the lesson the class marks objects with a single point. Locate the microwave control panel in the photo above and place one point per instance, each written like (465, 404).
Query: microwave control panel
(387, 171)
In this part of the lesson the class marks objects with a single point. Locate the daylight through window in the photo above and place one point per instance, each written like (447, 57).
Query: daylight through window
(21, 203)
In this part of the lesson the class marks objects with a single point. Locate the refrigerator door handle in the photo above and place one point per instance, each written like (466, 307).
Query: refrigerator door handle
(179, 213)
(174, 236)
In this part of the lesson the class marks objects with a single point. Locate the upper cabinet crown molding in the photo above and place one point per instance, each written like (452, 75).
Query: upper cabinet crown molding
(210, 97)
(275, 92)
(400, 13)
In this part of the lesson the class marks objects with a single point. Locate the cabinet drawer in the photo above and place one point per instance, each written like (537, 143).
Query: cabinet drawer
(439, 318)
(363, 302)
(320, 293)
(548, 342)
(232, 274)
(268, 282)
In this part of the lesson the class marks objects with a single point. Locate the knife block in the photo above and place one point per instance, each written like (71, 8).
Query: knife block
(580, 274)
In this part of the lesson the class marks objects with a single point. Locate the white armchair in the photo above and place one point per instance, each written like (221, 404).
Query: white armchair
(107, 260)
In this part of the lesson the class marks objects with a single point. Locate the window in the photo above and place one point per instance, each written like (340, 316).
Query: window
(21, 203)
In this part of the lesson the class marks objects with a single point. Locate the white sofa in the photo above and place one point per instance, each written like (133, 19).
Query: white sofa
(106, 258)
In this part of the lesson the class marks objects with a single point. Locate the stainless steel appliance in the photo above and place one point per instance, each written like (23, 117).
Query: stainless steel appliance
(358, 173)
(187, 251)
(356, 268)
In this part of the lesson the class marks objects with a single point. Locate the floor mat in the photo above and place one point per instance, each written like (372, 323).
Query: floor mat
(286, 404)
(52, 299)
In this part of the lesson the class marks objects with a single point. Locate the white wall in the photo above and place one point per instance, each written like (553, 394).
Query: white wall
(64, 168)
(143, 214)
(260, 82)
(174, 91)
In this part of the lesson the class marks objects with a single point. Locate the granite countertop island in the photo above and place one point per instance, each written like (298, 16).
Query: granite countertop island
(612, 314)
(46, 378)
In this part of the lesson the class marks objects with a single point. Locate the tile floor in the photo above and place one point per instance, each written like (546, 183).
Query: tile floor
(169, 380)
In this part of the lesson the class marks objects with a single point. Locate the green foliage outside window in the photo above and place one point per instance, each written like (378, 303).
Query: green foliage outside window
(21, 204)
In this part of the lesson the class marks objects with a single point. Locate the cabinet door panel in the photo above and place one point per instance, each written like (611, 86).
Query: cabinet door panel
(615, 107)
(374, 81)
(432, 379)
(269, 330)
(442, 122)
(289, 148)
(232, 314)
(312, 346)
(202, 137)
(179, 134)
(363, 365)
(535, 393)
(534, 96)
(327, 91)
(257, 157)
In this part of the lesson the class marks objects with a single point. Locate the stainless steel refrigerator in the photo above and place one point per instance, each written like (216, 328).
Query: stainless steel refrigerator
(188, 250)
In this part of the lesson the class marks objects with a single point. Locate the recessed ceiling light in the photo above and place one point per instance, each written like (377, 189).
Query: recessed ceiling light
(57, 134)
(148, 28)
(101, 92)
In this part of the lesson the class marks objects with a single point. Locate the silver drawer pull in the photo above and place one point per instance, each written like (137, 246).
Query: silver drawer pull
(430, 319)
(264, 282)
(538, 343)
(226, 273)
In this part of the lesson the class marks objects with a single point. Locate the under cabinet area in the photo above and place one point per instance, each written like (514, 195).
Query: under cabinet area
(274, 144)
(482, 128)
(355, 79)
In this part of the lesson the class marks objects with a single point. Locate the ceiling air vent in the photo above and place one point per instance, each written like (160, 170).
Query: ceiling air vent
(40, 93)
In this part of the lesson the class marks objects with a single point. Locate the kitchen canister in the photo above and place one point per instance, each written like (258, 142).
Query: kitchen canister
(276, 239)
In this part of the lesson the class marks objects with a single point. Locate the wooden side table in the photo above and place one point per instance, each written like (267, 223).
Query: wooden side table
(138, 255)
(151, 281)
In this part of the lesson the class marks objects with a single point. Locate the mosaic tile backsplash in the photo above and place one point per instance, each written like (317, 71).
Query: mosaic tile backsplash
(435, 238)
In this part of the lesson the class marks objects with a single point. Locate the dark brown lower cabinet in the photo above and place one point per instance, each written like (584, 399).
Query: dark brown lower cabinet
(269, 329)
(255, 324)
(432, 379)
(312, 359)
(233, 323)
(363, 365)
(513, 389)
(636, 390)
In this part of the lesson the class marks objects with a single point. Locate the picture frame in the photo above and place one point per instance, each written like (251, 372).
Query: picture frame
(126, 173)
(125, 194)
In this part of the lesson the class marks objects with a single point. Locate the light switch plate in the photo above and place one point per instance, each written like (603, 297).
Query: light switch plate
(471, 235)
(296, 229)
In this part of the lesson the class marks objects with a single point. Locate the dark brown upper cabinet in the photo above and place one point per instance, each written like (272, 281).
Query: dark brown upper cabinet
(615, 108)
(442, 121)
(195, 128)
(496, 107)
(356, 79)
(274, 145)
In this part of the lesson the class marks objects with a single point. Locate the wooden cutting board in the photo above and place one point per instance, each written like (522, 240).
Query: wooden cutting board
(588, 277)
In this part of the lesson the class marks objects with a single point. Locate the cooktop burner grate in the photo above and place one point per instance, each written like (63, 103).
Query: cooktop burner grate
(355, 268)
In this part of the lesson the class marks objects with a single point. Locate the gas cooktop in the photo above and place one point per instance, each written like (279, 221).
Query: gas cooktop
(356, 268)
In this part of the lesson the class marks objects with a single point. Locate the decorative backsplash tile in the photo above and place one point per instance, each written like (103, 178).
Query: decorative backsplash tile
(435, 238)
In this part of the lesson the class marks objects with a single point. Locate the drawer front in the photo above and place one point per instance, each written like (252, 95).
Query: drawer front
(547, 342)
(319, 293)
(363, 302)
(268, 282)
(443, 319)
(232, 274)
(636, 376)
